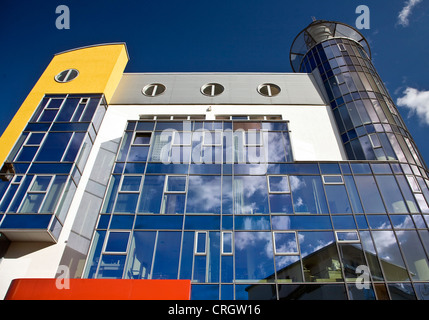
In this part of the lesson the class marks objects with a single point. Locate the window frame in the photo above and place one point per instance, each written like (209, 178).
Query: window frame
(222, 242)
(155, 90)
(347, 231)
(332, 175)
(166, 191)
(29, 192)
(103, 251)
(67, 76)
(278, 192)
(286, 253)
(196, 242)
(142, 144)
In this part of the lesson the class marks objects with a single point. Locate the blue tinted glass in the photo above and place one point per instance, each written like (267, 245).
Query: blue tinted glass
(126, 202)
(111, 194)
(252, 223)
(145, 126)
(308, 194)
(135, 167)
(20, 194)
(252, 259)
(227, 201)
(360, 168)
(250, 194)
(159, 222)
(279, 184)
(48, 115)
(41, 183)
(276, 147)
(330, 168)
(54, 104)
(402, 221)
(378, 221)
(47, 168)
(285, 242)
(35, 138)
(67, 109)
(343, 222)
(123, 151)
(131, 183)
(275, 126)
(173, 203)
(26, 221)
(173, 125)
(204, 194)
(32, 203)
(117, 242)
(337, 199)
(381, 168)
(187, 258)
(353, 194)
(250, 169)
(167, 168)
(54, 146)
(138, 153)
(166, 260)
(74, 147)
(301, 222)
(176, 183)
(281, 203)
(111, 266)
(391, 194)
(37, 127)
(90, 109)
(369, 194)
(202, 222)
(151, 195)
(205, 168)
(140, 258)
(103, 222)
(27, 154)
(142, 138)
(205, 292)
(122, 222)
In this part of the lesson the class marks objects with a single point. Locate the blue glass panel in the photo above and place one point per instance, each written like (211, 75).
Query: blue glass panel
(123, 151)
(227, 201)
(111, 267)
(27, 154)
(111, 194)
(278, 183)
(250, 194)
(400, 221)
(205, 168)
(167, 168)
(173, 125)
(140, 257)
(68, 109)
(378, 221)
(187, 255)
(330, 168)
(292, 168)
(26, 221)
(74, 147)
(308, 195)
(103, 222)
(135, 167)
(406, 191)
(8, 197)
(204, 194)
(166, 260)
(35, 138)
(301, 222)
(94, 255)
(227, 222)
(117, 242)
(275, 126)
(250, 169)
(145, 126)
(281, 203)
(50, 168)
(202, 222)
(90, 109)
(138, 153)
(253, 261)
(41, 127)
(131, 183)
(122, 222)
(173, 203)
(361, 221)
(276, 147)
(159, 222)
(369, 194)
(353, 194)
(205, 292)
(20, 194)
(176, 183)
(126, 202)
(343, 222)
(337, 199)
(70, 126)
(151, 195)
(54, 146)
(48, 115)
(381, 168)
(391, 194)
(252, 223)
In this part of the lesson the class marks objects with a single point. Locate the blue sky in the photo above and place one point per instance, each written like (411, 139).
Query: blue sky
(215, 36)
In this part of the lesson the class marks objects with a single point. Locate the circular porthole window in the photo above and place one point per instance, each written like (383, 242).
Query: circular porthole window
(212, 89)
(66, 75)
(154, 89)
(269, 89)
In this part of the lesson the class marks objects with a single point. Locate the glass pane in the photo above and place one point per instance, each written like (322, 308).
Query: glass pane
(173, 203)
(117, 242)
(151, 195)
(338, 199)
(288, 269)
(319, 257)
(254, 256)
(275, 146)
(353, 194)
(279, 183)
(176, 183)
(27, 154)
(32, 203)
(226, 242)
(352, 257)
(308, 194)
(281, 203)
(414, 254)
(140, 256)
(142, 138)
(111, 267)
(250, 194)
(126, 202)
(41, 183)
(391, 194)
(131, 183)
(346, 236)
(369, 194)
(54, 146)
(54, 194)
(204, 194)
(285, 243)
(138, 153)
(161, 145)
(166, 260)
(390, 256)
(201, 243)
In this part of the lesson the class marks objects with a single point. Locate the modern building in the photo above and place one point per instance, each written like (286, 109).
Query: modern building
(303, 185)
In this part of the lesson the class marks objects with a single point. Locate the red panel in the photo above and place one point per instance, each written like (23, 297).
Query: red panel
(99, 289)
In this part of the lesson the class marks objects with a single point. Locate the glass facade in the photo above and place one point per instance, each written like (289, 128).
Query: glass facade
(48, 160)
(223, 203)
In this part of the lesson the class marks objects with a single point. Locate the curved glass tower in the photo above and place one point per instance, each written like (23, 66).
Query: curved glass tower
(371, 128)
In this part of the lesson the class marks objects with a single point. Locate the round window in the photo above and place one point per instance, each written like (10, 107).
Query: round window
(269, 89)
(66, 75)
(154, 89)
(212, 89)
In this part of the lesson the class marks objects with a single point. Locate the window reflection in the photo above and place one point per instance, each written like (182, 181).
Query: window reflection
(250, 194)
(308, 194)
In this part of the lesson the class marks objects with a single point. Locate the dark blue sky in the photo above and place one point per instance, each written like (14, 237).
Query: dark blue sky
(224, 35)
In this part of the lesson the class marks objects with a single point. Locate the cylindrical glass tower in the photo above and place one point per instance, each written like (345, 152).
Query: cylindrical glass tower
(370, 125)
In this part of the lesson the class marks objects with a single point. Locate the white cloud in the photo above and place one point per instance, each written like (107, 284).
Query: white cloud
(417, 102)
(406, 11)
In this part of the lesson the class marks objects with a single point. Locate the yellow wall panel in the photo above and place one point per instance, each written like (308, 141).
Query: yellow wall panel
(100, 70)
